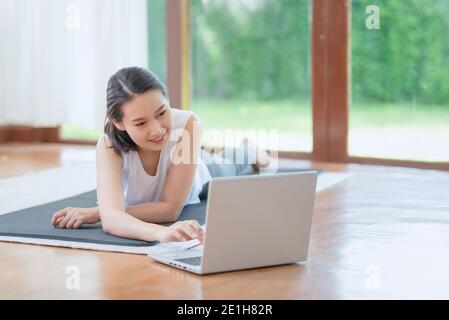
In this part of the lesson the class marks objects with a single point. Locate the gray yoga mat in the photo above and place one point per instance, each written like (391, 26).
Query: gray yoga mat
(35, 223)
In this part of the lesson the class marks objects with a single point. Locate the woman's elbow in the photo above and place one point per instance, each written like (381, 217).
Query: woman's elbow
(114, 229)
(108, 225)
(107, 228)
(175, 211)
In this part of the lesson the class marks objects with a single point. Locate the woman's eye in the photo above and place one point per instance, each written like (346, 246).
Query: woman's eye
(162, 113)
(140, 124)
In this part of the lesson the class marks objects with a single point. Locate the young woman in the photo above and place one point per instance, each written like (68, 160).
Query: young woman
(150, 164)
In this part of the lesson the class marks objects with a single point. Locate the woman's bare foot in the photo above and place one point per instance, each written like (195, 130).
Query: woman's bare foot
(262, 157)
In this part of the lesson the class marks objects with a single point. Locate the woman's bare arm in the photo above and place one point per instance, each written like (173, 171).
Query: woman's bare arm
(111, 205)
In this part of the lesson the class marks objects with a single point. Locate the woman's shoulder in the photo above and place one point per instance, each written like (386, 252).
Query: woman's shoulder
(180, 118)
(104, 141)
(105, 144)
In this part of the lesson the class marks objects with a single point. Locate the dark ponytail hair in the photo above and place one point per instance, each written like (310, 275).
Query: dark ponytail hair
(123, 86)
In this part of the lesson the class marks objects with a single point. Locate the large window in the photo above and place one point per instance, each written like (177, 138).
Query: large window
(400, 79)
(251, 68)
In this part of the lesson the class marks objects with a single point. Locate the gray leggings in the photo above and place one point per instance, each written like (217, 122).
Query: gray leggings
(236, 161)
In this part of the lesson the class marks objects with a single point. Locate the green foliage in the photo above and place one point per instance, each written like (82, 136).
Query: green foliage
(408, 58)
(260, 50)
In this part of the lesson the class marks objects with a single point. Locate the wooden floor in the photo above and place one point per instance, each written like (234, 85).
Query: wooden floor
(384, 233)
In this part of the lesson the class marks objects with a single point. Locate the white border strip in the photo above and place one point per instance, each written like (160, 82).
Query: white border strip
(77, 245)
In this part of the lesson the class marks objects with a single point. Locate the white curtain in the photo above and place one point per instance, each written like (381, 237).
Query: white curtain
(56, 57)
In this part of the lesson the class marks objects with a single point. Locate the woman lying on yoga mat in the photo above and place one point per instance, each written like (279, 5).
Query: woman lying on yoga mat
(150, 164)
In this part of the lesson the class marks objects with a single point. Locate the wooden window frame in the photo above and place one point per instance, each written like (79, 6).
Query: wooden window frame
(331, 32)
(178, 52)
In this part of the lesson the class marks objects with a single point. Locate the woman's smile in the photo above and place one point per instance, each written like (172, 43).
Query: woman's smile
(159, 139)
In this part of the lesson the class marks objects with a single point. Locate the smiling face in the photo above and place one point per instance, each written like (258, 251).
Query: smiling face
(147, 120)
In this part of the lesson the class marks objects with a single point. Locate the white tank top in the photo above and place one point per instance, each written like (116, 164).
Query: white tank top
(140, 187)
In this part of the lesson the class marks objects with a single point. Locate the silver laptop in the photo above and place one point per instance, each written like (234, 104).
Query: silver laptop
(252, 221)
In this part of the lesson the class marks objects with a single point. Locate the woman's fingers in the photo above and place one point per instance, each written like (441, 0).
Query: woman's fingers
(74, 218)
(185, 233)
(193, 223)
(63, 222)
(187, 230)
(70, 222)
(178, 236)
(57, 215)
(197, 228)
(181, 232)
(194, 229)
(59, 220)
(78, 223)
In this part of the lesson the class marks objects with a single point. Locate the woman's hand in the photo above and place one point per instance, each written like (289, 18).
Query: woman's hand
(181, 231)
(75, 217)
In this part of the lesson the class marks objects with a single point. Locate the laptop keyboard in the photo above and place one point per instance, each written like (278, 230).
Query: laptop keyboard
(194, 261)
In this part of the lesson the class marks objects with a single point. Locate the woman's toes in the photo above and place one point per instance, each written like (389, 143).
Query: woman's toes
(263, 159)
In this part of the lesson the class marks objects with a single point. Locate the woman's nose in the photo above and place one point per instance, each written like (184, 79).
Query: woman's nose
(155, 128)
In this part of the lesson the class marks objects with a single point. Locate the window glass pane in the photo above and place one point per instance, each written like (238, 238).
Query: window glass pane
(156, 38)
(71, 131)
(400, 79)
(155, 10)
(251, 68)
